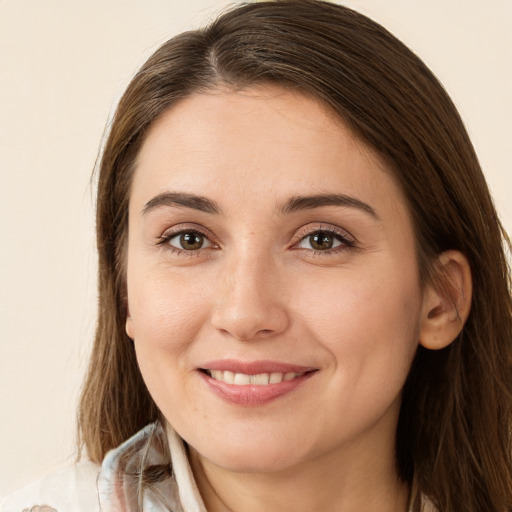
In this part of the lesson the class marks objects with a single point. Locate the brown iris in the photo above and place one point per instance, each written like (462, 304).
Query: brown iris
(191, 240)
(321, 241)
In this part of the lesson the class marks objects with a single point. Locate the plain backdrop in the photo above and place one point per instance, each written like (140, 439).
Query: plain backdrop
(63, 66)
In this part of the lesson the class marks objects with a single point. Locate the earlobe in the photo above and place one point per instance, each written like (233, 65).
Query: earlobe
(447, 302)
(129, 327)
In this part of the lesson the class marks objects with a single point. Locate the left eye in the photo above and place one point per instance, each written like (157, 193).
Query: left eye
(322, 241)
(189, 241)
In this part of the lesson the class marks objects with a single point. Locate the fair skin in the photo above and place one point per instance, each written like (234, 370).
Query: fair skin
(227, 270)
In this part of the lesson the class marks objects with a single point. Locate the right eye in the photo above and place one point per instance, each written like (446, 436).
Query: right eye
(188, 240)
(322, 241)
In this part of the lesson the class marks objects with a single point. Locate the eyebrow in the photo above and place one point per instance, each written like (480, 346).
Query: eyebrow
(298, 203)
(294, 204)
(202, 204)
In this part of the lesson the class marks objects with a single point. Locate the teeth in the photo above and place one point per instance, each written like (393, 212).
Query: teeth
(216, 374)
(261, 379)
(228, 377)
(241, 379)
(276, 378)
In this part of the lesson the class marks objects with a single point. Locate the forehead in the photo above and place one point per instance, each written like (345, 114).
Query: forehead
(259, 145)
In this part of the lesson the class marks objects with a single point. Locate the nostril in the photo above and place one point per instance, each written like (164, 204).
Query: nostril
(246, 320)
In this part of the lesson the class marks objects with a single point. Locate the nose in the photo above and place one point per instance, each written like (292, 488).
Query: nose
(251, 299)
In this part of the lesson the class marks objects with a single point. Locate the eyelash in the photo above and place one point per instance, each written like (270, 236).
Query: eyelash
(347, 242)
(168, 235)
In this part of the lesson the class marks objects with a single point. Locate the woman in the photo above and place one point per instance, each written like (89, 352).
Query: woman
(304, 296)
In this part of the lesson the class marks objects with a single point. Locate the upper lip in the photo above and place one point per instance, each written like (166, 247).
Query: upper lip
(254, 367)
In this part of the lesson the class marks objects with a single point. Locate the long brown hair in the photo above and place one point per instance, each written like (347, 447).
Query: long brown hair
(454, 431)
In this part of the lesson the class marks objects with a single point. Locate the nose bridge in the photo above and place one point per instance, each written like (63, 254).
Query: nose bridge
(250, 302)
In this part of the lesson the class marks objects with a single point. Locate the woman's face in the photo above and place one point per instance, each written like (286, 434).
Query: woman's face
(273, 288)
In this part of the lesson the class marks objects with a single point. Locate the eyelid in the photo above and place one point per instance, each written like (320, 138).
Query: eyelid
(349, 241)
(184, 227)
(310, 228)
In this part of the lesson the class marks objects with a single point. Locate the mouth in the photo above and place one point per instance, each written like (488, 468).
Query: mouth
(257, 383)
(259, 379)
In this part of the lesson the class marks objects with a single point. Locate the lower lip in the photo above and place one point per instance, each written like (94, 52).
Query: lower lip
(252, 395)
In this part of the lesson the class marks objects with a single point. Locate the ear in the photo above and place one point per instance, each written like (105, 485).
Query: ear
(446, 301)
(129, 324)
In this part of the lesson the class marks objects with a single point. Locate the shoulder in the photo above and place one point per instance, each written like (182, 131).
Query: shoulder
(70, 489)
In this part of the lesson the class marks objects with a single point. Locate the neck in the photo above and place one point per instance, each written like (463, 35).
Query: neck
(349, 480)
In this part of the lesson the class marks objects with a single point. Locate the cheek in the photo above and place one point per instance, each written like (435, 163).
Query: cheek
(167, 315)
(369, 324)
(164, 308)
(369, 317)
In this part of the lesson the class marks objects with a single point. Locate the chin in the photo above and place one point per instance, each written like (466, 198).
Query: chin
(263, 453)
(259, 460)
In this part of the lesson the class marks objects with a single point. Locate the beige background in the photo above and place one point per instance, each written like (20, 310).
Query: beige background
(64, 64)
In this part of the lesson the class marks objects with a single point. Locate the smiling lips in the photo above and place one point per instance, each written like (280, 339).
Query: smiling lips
(260, 379)
(253, 384)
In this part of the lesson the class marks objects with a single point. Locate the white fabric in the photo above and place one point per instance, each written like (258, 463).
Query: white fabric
(114, 487)
(71, 489)
(117, 485)
(188, 491)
